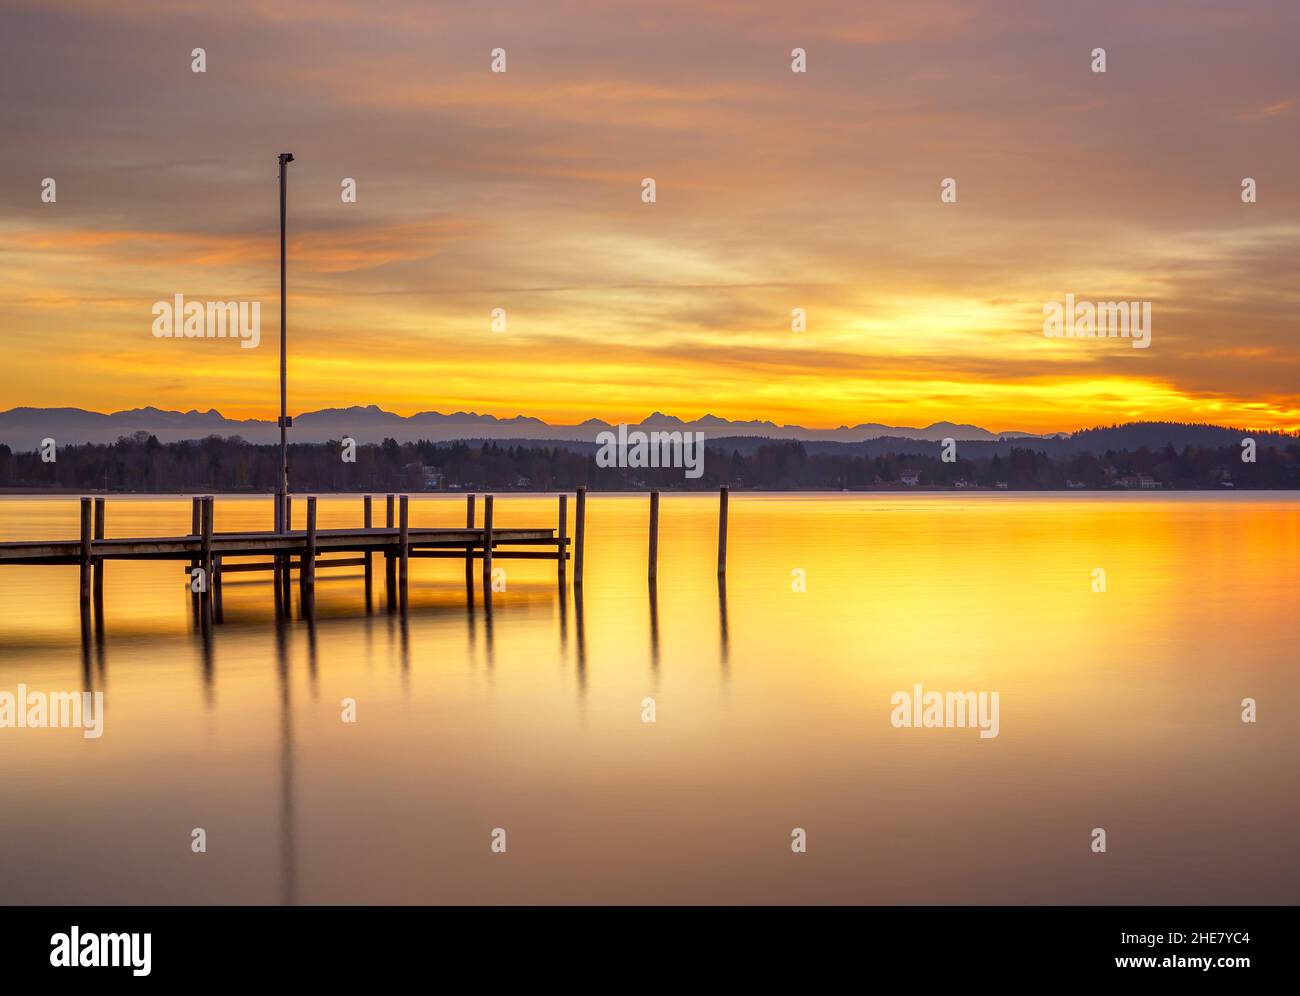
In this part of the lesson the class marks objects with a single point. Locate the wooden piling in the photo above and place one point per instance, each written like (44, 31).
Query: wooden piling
(308, 569)
(277, 577)
(390, 563)
(722, 531)
(487, 546)
(366, 523)
(219, 608)
(205, 555)
(404, 552)
(99, 561)
(85, 552)
(654, 535)
(469, 547)
(196, 530)
(579, 534)
(562, 547)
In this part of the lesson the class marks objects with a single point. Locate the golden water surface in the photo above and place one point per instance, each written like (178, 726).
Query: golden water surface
(1119, 709)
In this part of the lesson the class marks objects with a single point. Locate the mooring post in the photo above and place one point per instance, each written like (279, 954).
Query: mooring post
(365, 521)
(654, 535)
(99, 561)
(404, 551)
(722, 531)
(469, 547)
(579, 534)
(205, 555)
(308, 569)
(85, 552)
(562, 546)
(487, 546)
(390, 563)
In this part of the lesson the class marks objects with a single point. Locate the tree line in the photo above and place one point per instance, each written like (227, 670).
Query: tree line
(141, 463)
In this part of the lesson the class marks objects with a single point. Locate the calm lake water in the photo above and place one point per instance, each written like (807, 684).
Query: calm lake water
(1119, 709)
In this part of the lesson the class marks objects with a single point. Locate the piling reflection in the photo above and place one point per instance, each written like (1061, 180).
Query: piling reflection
(654, 626)
(724, 647)
(288, 855)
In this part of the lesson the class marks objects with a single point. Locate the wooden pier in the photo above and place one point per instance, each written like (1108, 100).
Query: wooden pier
(278, 551)
(211, 555)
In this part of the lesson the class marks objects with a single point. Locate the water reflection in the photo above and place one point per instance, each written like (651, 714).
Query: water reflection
(654, 626)
(288, 857)
(697, 807)
(724, 648)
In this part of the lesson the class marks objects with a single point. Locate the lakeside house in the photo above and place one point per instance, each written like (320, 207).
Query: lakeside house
(1140, 481)
(911, 478)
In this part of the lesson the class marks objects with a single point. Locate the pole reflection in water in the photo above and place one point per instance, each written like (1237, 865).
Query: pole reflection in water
(288, 857)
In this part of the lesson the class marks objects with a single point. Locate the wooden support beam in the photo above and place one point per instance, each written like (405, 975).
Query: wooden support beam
(85, 552)
(722, 532)
(366, 523)
(653, 568)
(487, 546)
(579, 534)
(497, 554)
(390, 563)
(321, 563)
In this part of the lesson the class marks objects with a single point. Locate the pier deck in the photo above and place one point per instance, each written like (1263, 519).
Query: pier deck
(282, 552)
(294, 542)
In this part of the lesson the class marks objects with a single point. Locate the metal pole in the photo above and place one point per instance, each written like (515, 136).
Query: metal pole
(284, 159)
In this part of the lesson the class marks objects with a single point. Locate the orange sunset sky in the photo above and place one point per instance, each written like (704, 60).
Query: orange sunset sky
(522, 190)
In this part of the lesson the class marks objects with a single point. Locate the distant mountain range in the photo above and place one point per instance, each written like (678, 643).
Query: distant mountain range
(24, 428)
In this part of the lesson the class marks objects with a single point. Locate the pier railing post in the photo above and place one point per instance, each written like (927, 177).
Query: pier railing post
(579, 534)
(562, 546)
(369, 568)
(390, 564)
(722, 531)
(85, 552)
(653, 569)
(487, 546)
(404, 551)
